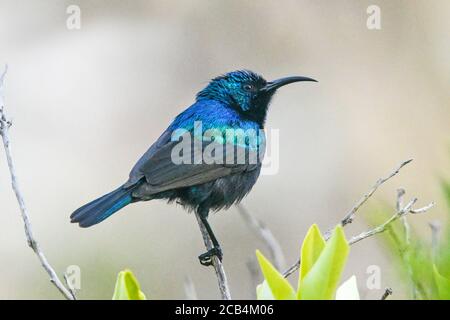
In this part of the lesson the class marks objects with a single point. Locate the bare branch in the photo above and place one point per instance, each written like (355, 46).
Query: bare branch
(351, 214)
(264, 233)
(348, 218)
(5, 124)
(386, 293)
(382, 227)
(400, 214)
(292, 269)
(189, 289)
(218, 266)
(423, 209)
(70, 286)
(379, 229)
(400, 195)
(407, 230)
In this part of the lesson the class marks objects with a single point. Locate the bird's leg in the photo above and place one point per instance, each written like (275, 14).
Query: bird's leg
(206, 258)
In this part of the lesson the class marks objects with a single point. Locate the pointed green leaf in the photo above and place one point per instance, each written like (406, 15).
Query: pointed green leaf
(348, 290)
(442, 284)
(127, 287)
(312, 247)
(321, 281)
(281, 289)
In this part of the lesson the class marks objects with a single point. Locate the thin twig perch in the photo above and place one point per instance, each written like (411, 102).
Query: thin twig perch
(218, 266)
(5, 124)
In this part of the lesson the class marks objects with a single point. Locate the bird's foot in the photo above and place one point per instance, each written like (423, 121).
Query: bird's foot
(206, 258)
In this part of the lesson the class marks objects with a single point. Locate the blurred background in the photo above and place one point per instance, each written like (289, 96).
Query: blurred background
(87, 103)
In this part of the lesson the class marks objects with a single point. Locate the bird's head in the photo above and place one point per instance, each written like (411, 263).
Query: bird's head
(246, 91)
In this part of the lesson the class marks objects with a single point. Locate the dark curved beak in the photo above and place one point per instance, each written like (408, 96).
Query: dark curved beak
(271, 86)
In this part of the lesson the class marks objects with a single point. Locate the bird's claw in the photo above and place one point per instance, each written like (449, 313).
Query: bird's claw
(206, 258)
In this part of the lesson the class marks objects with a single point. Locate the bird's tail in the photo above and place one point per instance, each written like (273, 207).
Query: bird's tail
(98, 210)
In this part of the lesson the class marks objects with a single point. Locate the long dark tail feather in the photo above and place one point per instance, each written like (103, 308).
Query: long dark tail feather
(98, 210)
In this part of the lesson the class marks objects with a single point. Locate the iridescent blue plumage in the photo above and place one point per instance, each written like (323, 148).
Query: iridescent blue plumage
(208, 114)
(235, 101)
(214, 115)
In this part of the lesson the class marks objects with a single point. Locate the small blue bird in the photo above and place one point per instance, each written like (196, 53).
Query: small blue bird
(236, 102)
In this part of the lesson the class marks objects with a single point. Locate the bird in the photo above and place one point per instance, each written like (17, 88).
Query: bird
(237, 101)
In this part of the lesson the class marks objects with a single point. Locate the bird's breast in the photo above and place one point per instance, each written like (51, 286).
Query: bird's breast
(220, 193)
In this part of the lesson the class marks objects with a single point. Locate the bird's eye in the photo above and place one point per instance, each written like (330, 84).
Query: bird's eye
(248, 87)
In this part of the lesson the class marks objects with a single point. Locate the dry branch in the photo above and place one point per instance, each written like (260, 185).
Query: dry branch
(386, 293)
(399, 214)
(70, 286)
(218, 266)
(5, 124)
(348, 218)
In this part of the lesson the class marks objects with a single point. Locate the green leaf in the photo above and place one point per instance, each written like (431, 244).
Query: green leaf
(280, 288)
(312, 247)
(321, 281)
(127, 287)
(442, 284)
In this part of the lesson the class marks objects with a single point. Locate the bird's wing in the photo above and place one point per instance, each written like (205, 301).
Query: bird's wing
(163, 173)
(136, 173)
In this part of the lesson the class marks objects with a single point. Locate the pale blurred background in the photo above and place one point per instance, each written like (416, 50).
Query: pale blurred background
(87, 103)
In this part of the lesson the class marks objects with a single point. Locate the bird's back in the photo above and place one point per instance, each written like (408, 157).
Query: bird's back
(214, 185)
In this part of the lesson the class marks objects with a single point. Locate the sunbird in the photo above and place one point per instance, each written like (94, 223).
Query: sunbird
(239, 101)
